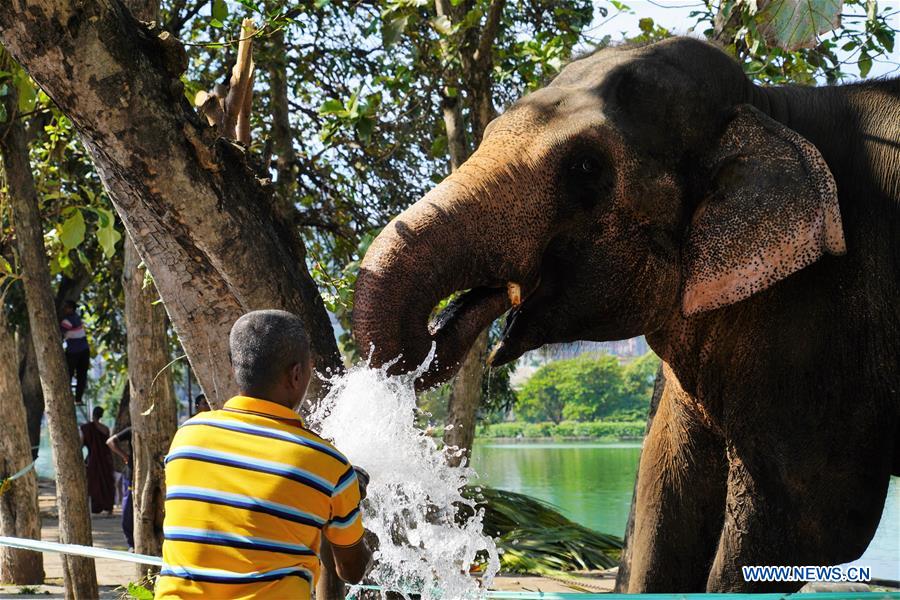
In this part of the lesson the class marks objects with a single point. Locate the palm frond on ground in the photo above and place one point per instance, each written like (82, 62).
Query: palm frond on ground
(535, 537)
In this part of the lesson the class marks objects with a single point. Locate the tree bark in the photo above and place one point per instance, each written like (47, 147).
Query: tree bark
(29, 378)
(202, 221)
(624, 573)
(71, 485)
(19, 512)
(30, 382)
(153, 408)
(282, 133)
(465, 397)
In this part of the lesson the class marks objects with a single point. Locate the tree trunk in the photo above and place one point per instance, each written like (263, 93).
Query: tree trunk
(152, 404)
(203, 223)
(19, 513)
(71, 485)
(624, 573)
(465, 396)
(30, 382)
(476, 58)
(29, 378)
(282, 133)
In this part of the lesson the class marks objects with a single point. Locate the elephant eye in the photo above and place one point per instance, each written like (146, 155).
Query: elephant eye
(584, 166)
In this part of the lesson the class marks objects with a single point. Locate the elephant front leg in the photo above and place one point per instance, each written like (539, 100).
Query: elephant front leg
(793, 515)
(680, 498)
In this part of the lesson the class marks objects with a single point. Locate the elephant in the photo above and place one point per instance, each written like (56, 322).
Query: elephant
(751, 233)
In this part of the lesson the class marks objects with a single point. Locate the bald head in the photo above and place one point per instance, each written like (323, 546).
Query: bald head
(266, 347)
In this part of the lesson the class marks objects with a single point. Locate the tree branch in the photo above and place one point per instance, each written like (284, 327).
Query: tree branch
(483, 54)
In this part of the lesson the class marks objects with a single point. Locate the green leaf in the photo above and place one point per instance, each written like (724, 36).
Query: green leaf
(5, 267)
(107, 235)
(646, 24)
(885, 37)
(27, 93)
(219, 10)
(439, 146)
(795, 24)
(864, 63)
(217, 23)
(71, 232)
(392, 29)
(331, 107)
(139, 592)
(364, 128)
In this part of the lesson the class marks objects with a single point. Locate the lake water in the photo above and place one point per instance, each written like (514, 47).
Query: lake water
(592, 484)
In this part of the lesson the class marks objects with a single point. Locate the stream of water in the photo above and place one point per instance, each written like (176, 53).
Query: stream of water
(413, 491)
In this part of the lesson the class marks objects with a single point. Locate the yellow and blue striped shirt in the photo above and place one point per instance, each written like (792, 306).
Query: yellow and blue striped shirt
(249, 491)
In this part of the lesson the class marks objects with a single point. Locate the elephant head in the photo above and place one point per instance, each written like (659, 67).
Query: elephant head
(641, 183)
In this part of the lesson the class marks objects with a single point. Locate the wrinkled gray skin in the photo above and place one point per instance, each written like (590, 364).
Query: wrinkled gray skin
(753, 235)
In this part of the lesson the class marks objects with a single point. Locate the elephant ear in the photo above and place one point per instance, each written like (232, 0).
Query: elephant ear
(770, 210)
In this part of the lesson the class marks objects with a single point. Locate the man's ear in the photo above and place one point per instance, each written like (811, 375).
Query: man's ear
(771, 209)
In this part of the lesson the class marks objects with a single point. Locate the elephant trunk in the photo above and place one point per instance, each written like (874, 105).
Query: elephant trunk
(435, 248)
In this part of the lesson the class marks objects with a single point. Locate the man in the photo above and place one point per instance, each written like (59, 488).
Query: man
(100, 480)
(78, 353)
(127, 485)
(201, 404)
(250, 490)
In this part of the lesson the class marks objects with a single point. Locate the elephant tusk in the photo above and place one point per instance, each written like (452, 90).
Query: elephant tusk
(514, 291)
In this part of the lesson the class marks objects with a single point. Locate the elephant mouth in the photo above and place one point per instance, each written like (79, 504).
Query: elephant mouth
(467, 315)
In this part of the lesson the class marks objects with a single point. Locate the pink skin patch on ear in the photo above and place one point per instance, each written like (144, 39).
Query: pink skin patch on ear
(769, 266)
(776, 214)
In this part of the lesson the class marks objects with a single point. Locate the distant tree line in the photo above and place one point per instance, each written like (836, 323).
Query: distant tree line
(590, 387)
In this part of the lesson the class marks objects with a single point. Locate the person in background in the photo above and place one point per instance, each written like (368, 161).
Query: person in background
(78, 353)
(100, 479)
(250, 491)
(200, 404)
(127, 501)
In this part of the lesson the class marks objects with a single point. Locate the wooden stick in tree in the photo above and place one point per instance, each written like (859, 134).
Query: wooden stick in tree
(241, 80)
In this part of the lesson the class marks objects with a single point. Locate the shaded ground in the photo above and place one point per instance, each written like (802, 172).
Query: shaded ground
(107, 532)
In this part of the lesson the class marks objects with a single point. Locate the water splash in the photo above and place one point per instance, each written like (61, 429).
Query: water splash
(413, 492)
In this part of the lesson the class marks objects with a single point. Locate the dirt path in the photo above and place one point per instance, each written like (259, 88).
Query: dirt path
(107, 532)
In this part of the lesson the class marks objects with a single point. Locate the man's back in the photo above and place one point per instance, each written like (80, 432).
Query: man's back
(249, 492)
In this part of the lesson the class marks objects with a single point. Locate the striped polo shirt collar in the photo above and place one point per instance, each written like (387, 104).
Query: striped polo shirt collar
(263, 407)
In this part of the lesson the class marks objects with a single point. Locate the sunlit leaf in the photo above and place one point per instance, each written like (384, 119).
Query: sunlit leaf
(27, 93)
(219, 10)
(442, 25)
(71, 232)
(795, 24)
(331, 107)
(107, 235)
